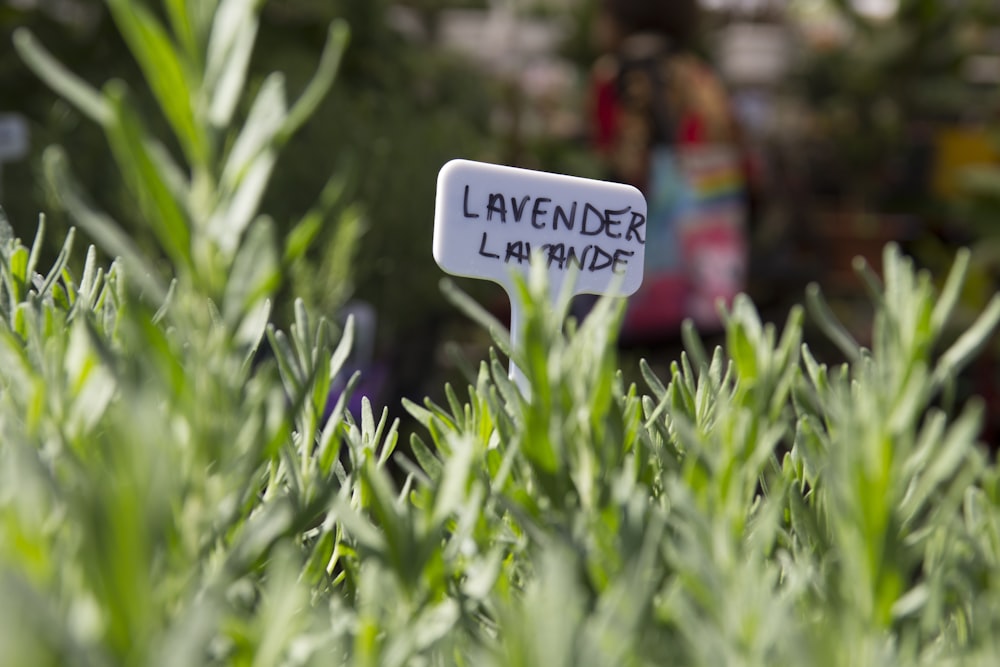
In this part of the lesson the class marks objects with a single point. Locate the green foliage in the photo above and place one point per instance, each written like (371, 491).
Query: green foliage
(200, 209)
(400, 109)
(760, 508)
(874, 94)
(162, 497)
(168, 496)
(165, 499)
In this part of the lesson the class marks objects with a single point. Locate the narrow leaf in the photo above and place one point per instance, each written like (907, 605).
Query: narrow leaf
(77, 92)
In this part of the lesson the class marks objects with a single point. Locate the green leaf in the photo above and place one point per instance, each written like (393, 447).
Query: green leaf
(20, 281)
(655, 384)
(968, 344)
(57, 267)
(471, 308)
(6, 233)
(693, 344)
(184, 28)
(829, 324)
(260, 532)
(248, 166)
(742, 350)
(343, 351)
(160, 208)
(954, 450)
(255, 274)
(483, 576)
(77, 92)
(36, 250)
(302, 235)
(429, 463)
(333, 51)
(911, 602)
(91, 384)
(165, 73)
(292, 374)
(252, 329)
(453, 482)
(230, 46)
(102, 228)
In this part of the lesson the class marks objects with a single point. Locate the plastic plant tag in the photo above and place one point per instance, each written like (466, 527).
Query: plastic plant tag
(490, 221)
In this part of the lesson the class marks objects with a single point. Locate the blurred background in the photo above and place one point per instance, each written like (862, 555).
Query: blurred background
(860, 121)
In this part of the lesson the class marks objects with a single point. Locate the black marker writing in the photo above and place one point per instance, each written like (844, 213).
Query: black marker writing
(547, 213)
(491, 207)
(588, 212)
(638, 221)
(482, 249)
(611, 221)
(519, 208)
(537, 211)
(621, 257)
(519, 250)
(465, 205)
(591, 258)
(560, 212)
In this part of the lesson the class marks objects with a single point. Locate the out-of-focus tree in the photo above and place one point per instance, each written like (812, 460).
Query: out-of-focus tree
(876, 92)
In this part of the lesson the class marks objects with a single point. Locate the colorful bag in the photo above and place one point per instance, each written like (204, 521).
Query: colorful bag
(664, 122)
(696, 252)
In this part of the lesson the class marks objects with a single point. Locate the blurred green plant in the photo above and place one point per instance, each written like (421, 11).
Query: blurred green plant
(164, 497)
(167, 497)
(402, 107)
(166, 501)
(875, 93)
(202, 206)
(761, 508)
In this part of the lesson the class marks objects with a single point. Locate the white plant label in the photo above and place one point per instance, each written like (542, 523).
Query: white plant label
(490, 221)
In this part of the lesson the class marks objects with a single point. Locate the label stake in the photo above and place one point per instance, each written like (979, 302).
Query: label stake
(490, 220)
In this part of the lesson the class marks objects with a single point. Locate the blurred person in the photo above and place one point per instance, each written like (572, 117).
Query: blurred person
(662, 121)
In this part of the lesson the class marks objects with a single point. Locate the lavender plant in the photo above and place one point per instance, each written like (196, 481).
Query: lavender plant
(167, 497)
